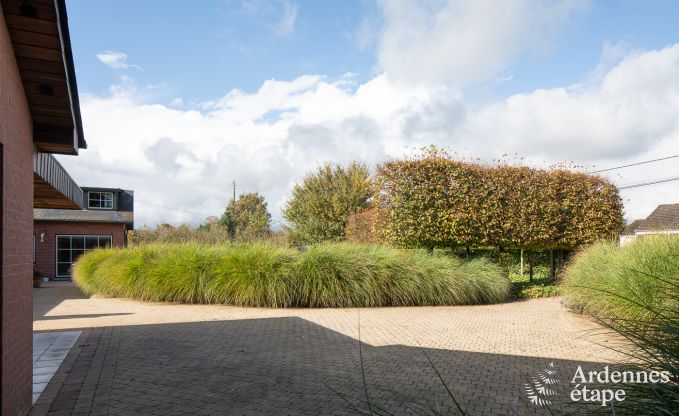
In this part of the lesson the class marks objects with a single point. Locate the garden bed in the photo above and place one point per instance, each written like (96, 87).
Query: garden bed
(259, 274)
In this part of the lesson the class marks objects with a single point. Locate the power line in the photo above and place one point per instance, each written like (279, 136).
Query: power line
(273, 220)
(635, 164)
(651, 182)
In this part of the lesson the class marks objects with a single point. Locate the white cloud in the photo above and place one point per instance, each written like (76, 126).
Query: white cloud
(286, 25)
(185, 155)
(462, 42)
(367, 33)
(115, 60)
(268, 139)
(633, 107)
(252, 7)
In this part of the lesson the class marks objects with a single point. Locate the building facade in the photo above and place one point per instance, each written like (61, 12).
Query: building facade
(39, 115)
(663, 220)
(61, 236)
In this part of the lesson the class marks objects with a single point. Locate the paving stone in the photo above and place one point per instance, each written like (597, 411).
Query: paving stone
(170, 359)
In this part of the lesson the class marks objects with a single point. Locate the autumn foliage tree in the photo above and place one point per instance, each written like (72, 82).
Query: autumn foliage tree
(247, 217)
(365, 226)
(320, 205)
(436, 201)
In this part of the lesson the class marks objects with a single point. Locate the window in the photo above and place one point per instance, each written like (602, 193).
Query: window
(70, 247)
(100, 200)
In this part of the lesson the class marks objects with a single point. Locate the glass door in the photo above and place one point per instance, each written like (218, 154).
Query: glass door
(70, 247)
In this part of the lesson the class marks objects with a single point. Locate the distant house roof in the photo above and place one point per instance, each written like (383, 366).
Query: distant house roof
(121, 217)
(632, 227)
(663, 218)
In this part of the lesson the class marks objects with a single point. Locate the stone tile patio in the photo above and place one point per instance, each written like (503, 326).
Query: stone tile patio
(147, 359)
(49, 351)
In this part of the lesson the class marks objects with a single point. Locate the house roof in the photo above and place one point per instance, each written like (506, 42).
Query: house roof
(632, 227)
(663, 218)
(42, 47)
(82, 215)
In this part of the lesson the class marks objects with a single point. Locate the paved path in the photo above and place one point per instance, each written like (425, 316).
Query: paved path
(162, 359)
(49, 351)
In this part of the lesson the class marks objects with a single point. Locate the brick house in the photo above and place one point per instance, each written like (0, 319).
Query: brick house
(39, 115)
(61, 235)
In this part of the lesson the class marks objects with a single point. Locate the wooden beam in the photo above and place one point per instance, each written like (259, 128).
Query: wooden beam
(37, 52)
(30, 24)
(44, 10)
(22, 37)
(30, 64)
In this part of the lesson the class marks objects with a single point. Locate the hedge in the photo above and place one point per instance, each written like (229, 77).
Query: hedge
(436, 201)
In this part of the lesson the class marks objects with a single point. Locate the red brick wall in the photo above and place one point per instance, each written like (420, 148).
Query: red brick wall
(16, 137)
(45, 252)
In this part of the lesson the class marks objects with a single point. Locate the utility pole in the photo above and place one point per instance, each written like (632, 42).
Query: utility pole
(234, 192)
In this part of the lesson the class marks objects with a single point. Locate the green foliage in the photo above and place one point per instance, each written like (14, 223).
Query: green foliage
(247, 217)
(165, 233)
(319, 207)
(541, 287)
(437, 201)
(227, 222)
(625, 282)
(260, 274)
(634, 291)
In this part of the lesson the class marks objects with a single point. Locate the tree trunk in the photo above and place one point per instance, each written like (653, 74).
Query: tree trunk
(521, 262)
(469, 252)
(552, 264)
(530, 267)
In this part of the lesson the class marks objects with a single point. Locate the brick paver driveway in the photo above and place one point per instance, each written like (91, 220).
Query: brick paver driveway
(162, 359)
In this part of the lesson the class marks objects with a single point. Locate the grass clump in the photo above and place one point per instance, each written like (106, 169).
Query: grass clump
(261, 274)
(634, 291)
(636, 281)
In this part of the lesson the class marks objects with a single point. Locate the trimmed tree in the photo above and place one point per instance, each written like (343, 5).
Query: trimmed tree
(436, 201)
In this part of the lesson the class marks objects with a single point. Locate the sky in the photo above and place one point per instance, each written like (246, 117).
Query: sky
(180, 99)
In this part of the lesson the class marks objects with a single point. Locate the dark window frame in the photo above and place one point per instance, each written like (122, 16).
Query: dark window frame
(100, 200)
(70, 249)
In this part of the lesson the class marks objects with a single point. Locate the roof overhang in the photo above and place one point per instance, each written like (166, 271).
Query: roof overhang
(53, 187)
(42, 46)
(85, 215)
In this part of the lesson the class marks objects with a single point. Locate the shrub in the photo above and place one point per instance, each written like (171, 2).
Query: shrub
(365, 226)
(437, 201)
(165, 233)
(634, 291)
(541, 286)
(260, 274)
(628, 282)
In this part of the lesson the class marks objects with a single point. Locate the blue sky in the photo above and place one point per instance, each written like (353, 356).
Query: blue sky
(201, 49)
(181, 98)
(197, 50)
